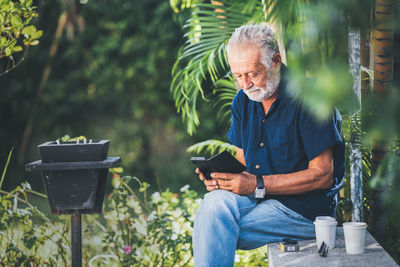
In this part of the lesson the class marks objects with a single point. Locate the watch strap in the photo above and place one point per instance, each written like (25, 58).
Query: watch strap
(260, 182)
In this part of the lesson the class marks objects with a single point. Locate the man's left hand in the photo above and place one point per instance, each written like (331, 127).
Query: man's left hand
(239, 183)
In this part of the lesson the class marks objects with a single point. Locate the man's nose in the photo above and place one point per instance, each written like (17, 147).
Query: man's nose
(247, 83)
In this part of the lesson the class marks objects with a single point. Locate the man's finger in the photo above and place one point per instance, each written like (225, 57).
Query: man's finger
(224, 183)
(201, 176)
(212, 187)
(211, 182)
(225, 187)
(223, 175)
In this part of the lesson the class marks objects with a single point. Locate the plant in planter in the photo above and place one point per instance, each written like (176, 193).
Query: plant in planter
(74, 174)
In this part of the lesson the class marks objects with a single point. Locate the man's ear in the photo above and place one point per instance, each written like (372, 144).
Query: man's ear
(276, 61)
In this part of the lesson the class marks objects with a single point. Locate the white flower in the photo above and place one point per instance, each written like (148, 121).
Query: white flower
(156, 197)
(237, 258)
(151, 217)
(184, 188)
(140, 227)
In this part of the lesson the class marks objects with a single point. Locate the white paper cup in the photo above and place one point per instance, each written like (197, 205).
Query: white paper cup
(325, 230)
(354, 237)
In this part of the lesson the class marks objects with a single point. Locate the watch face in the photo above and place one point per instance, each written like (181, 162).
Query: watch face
(259, 193)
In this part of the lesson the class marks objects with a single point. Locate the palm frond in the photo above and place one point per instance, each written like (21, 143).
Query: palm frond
(213, 147)
(225, 91)
(202, 59)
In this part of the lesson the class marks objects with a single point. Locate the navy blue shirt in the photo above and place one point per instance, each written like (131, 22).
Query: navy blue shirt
(284, 141)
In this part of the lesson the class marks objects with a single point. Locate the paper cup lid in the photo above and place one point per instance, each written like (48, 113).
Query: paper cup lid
(325, 220)
(354, 225)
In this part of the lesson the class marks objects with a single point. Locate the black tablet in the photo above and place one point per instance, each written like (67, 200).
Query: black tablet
(222, 162)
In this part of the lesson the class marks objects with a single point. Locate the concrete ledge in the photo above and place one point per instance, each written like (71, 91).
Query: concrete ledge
(374, 254)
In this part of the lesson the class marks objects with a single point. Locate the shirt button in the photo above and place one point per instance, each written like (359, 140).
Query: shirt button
(261, 144)
(257, 166)
(264, 120)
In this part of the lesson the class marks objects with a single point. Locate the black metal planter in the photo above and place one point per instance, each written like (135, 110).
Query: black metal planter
(75, 176)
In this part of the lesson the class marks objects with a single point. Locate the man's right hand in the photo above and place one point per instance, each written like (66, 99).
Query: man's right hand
(210, 184)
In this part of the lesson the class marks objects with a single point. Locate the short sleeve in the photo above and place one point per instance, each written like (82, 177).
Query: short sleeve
(318, 135)
(234, 133)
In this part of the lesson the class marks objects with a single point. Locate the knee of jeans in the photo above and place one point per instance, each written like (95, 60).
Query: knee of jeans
(244, 244)
(216, 204)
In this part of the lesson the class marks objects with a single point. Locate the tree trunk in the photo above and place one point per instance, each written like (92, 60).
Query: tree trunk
(62, 21)
(383, 70)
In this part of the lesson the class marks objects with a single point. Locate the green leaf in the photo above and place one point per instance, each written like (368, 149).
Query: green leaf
(212, 146)
(29, 30)
(33, 43)
(17, 48)
(117, 170)
(3, 41)
(8, 51)
(37, 34)
(116, 182)
(65, 138)
(16, 21)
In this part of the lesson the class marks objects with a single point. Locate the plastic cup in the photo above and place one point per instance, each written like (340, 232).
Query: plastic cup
(325, 230)
(354, 237)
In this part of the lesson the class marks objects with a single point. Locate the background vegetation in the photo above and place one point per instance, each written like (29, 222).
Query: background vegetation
(103, 69)
(103, 72)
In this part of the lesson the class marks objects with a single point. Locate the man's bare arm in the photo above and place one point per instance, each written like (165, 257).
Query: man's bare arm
(240, 156)
(318, 175)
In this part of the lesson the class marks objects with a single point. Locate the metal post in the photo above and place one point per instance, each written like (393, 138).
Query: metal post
(355, 151)
(76, 239)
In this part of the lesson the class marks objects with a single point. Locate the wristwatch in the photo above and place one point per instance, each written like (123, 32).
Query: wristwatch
(260, 189)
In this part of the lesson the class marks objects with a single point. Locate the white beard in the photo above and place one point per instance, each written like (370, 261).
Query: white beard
(259, 94)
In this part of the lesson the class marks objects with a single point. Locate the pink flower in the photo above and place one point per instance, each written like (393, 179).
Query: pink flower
(128, 250)
(131, 196)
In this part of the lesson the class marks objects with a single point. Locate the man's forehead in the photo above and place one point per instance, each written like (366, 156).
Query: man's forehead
(246, 49)
(244, 58)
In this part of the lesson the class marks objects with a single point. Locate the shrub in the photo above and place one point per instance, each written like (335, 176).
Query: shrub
(134, 230)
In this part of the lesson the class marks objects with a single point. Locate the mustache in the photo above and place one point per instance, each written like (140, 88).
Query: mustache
(253, 89)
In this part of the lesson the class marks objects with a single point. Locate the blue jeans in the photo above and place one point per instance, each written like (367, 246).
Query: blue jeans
(226, 221)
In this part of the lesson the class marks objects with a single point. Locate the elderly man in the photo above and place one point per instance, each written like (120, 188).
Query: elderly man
(295, 163)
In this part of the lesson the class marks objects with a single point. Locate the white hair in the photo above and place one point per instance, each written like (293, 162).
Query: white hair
(260, 35)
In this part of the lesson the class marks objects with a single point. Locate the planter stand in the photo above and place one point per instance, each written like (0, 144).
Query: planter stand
(75, 187)
(76, 239)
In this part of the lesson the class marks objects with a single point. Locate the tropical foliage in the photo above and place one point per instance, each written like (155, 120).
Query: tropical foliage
(202, 60)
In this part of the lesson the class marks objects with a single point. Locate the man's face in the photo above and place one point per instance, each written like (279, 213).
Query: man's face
(256, 81)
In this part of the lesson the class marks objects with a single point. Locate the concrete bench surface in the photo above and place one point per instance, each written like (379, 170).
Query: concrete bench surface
(374, 254)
